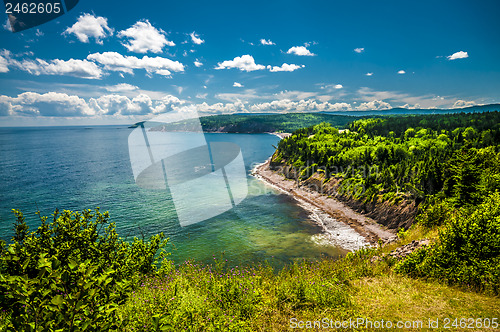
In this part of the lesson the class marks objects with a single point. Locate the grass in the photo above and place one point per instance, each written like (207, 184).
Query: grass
(212, 297)
(399, 298)
(215, 297)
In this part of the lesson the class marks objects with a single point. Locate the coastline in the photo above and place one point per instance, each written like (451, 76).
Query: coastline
(316, 203)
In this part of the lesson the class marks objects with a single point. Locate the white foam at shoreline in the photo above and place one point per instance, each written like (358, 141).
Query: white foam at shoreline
(335, 233)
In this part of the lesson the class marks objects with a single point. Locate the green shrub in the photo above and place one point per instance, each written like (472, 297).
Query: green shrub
(467, 252)
(71, 274)
(435, 213)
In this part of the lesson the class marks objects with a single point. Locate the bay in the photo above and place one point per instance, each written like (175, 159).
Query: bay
(75, 168)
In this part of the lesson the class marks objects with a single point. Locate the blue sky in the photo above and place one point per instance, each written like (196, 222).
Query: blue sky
(108, 62)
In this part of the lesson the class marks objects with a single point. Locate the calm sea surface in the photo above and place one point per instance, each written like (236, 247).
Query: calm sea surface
(77, 168)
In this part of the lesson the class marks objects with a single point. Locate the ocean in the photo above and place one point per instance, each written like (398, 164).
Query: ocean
(75, 168)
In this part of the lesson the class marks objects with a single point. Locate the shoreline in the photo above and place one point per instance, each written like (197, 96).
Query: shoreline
(315, 202)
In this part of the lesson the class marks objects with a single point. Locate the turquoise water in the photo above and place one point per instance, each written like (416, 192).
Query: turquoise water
(77, 168)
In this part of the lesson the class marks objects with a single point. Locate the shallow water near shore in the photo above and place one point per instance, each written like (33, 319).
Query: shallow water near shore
(79, 168)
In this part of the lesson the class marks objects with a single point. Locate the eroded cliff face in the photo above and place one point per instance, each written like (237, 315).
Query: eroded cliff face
(392, 215)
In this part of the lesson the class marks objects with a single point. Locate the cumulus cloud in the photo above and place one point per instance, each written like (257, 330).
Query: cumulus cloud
(71, 67)
(374, 105)
(118, 104)
(300, 50)
(88, 26)
(266, 42)
(196, 39)
(221, 108)
(284, 67)
(463, 103)
(338, 86)
(307, 105)
(247, 63)
(53, 104)
(244, 63)
(116, 62)
(47, 104)
(369, 74)
(410, 107)
(401, 72)
(121, 87)
(359, 50)
(458, 55)
(198, 63)
(143, 38)
(237, 85)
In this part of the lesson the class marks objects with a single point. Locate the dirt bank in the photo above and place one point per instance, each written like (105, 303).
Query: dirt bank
(364, 225)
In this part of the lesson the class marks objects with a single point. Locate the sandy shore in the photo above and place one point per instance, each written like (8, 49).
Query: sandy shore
(281, 135)
(363, 225)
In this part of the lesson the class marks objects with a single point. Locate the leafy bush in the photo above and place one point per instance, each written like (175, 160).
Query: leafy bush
(71, 274)
(467, 252)
(435, 213)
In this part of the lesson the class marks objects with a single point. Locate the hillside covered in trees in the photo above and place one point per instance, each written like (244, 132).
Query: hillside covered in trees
(445, 167)
(265, 123)
(453, 156)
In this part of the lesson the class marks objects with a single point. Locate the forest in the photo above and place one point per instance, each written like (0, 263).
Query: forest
(260, 123)
(449, 165)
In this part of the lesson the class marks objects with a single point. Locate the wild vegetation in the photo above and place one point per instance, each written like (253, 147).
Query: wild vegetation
(73, 273)
(448, 164)
(66, 277)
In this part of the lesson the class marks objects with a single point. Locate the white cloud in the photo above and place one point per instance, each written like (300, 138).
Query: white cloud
(201, 95)
(198, 63)
(300, 50)
(53, 104)
(374, 105)
(463, 103)
(369, 74)
(7, 25)
(247, 63)
(410, 107)
(116, 62)
(39, 33)
(359, 50)
(88, 26)
(284, 67)
(4, 65)
(220, 108)
(71, 67)
(143, 38)
(47, 104)
(401, 72)
(237, 85)
(5, 106)
(266, 42)
(338, 86)
(308, 105)
(244, 63)
(121, 87)
(195, 39)
(458, 55)
(118, 104)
